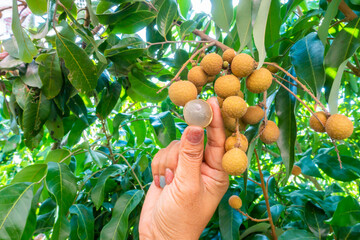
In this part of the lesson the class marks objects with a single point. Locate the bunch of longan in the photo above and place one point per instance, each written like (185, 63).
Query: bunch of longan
(235, 111)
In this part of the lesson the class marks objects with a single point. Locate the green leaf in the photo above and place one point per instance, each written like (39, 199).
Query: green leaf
(36, 112)
(314, 218)
(272, 33)
(330, 14)
(222, 13)
(32, 77)
(118, 119)
(50, 74)
(259, 30)
(347, 213)
(335, 88)
(31, 173)
(297, 234)
(83, 74)
(347, 233)
(330, 165)
(108, 100)
(184, 6)
(134, 22)
(308, 167)
(187, 27)
(54, 124)
(61, 183)
(229, 219)
(37, 7)
(285, 107)
(85, 221)
(27, 50)
(181, 56)
(77, 106)
(58, 156)
(97, 194)
(144, 90)
(15, 206)
(165, 17)
(257, 228)
(140, 131)
(117, 228)
(98, 158)
(343, 47)
(307, 56)
(12, 143)
(164, 126)
(20, 90)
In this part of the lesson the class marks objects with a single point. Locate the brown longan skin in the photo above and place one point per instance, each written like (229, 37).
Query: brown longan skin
(235, 202)
(234, 107)
(197, 76)
(296, 171)
(253, 115)
(259, 81)
(315, 124)
(226, 86)
(234, 162)
(212, 64)
(339, 127)
(228, 55)
(232, 141)
(181, 92)
(230, 123)
(269, 133)
(242, 65)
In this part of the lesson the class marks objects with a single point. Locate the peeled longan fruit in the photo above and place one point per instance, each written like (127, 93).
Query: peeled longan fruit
(231, 142)
(242, 65)
(197, 76)
(234, 162)
(253, 115)
(235, 202)
(198, 113)
(226, 86)
(212, 63)
(234, 107)
(181, 92)
(318, 126)
(296, 170)
(270, 133)
(228, 55)
(339, 127)
(259, 81)
(210, 79)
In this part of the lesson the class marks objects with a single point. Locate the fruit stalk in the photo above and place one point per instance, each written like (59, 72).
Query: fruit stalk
(266, 197)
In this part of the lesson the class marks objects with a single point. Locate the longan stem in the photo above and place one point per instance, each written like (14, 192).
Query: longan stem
(238, 139)
(266, 197)
(132, 170)
(185, 64)
(300, 84)
(251, 218)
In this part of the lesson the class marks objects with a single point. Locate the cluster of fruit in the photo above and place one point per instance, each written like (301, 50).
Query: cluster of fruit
(235, 111)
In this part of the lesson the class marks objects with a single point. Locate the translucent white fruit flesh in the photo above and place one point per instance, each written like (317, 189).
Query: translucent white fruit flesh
(198, 113)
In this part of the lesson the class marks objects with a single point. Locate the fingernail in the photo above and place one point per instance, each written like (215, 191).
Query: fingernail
(195, 135)
(169, 175)
(156, 180)
(162, 181)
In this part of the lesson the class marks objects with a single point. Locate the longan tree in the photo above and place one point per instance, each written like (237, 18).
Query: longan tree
(92, 90)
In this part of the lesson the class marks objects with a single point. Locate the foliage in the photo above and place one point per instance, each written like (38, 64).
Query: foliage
(83, 112)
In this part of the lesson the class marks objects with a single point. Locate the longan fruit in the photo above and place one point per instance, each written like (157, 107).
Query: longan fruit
(230, 123)
(296, 170)
(339, 127)
(235, 202)
(315, 124)
(211, 79)
(228, 55)
(234, 162)
(226, 86)
(221, 101)
(269, 133)
(181, 92)
(242, 65)
(253, 115)
(197, 76)
(234, 107)
(259, 81)
(240, 94)
(212, 64)
(232, 140)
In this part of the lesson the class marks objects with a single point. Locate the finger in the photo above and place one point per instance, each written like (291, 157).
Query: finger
(171, 161)
(214, 150)
(155, 166)
(151, 199)
(163, 163)
(190, 154)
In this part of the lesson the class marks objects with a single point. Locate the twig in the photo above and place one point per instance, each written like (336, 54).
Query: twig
(130, 106)
(314, 181)
(140, 109)
(167, 42)
(132, 170)
(301, 85)
(108, 137)
(354, 69)
(266, 197)
(185, 64)
(274, 154)
(346, 10)
(251, 218)
(283, 79)
(356, 61)
(252, 180)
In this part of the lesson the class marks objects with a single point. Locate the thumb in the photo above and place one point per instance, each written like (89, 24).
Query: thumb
(190, 153)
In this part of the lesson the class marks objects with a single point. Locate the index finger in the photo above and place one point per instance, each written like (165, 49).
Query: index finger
(215, 150)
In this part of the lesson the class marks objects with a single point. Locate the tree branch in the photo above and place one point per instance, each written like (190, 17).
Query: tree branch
(346, 10)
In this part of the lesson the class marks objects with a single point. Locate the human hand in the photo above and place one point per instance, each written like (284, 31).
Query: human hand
(195, 184)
